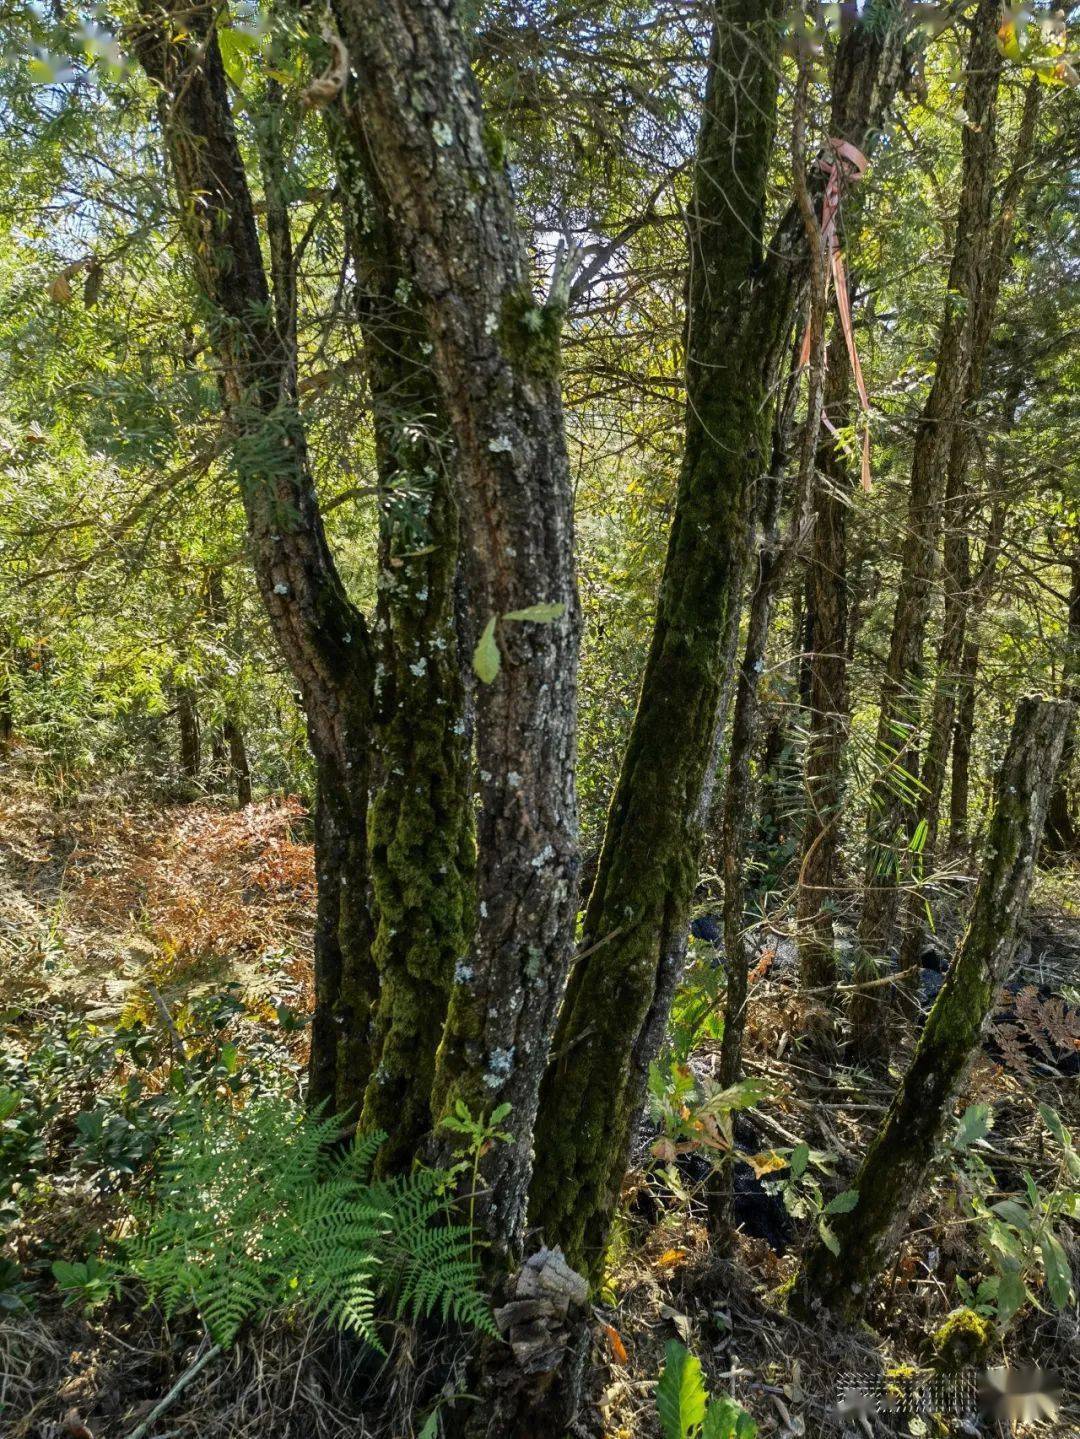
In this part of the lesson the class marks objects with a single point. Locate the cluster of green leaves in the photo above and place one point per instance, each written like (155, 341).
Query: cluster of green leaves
(802, 1194)
(686, 1411)
(1019, 1231)
(262, 1208)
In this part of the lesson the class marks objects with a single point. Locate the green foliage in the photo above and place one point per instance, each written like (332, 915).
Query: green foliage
(87, 1283)
(1019, 1232)
(260, 1208)
(684, 1406)
(803, 1196)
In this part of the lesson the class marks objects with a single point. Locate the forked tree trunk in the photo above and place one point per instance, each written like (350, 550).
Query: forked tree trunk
(496, 361)
(892, 1175)
(741, 308)
(889, 811)
(321, 633)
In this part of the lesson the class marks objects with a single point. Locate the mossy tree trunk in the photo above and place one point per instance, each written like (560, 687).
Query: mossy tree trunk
(496, 360)
(775, 554)
(740, 309)
(890, 810)
(891, 1176)
(422, 832)
(321, 633)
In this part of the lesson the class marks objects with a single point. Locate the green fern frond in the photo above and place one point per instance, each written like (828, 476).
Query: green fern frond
(262, 1209)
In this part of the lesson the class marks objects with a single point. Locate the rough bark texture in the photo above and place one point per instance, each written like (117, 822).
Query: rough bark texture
(894, 1170)
(230, 751)
(496, 358)
(740, 311)
(421, 829)
(639, 908)
(827, 615)
(320, 631)
(889, 814)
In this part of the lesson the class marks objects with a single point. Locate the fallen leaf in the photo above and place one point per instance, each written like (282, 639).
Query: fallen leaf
(618, 1348)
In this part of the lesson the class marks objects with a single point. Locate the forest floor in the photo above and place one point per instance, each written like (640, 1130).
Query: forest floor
(126, 925)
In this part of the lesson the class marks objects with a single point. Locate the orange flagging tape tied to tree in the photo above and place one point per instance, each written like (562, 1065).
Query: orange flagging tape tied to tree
(843, 163)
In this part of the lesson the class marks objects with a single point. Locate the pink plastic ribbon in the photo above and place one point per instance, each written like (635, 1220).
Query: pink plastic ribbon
(844, 163)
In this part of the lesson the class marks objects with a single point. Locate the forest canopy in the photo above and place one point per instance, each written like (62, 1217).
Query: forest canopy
(539, 640)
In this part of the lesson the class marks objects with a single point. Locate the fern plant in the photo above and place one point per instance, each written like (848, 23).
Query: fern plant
(259, 1209)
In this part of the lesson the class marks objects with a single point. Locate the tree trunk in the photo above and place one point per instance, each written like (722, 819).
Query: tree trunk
(740, 312)
(902, 691)
(891, 1176)
(963, 730)
(496, 361)
(230, 751)
(187, 719)
(962, 598)
(423, 847)
(827, 605)
(321, 633)
(1061, 838)
(774, 557)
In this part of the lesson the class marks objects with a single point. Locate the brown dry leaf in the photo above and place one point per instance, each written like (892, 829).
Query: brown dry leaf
(60, 290)
(681, 1322)
(670, 1258)
(74, 1425)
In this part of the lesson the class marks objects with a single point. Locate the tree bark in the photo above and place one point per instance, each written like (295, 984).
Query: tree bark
(187, 719)
(963, 730)
(740, 310)
(827, 609)
(775, 554)
(321, 633)
(902, 691)
(891, 1176)
(496, 360)
(422, 832)
(1061, 838)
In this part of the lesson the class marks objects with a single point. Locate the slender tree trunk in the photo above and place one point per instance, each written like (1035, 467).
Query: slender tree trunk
(961, 596)
(827, 603)
(740, 313)
(230, 751)
(423, 847)
(902, 691)
(963, 730)
(321, 633)
(238, 761)
(891, 1176)
(187, 719)
(1061, 837)
(775, 555)
(496, 360)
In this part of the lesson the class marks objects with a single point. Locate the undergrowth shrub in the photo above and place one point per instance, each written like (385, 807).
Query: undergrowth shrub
(260, 1209)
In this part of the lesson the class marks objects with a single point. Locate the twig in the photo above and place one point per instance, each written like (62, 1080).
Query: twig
(174, 1393)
